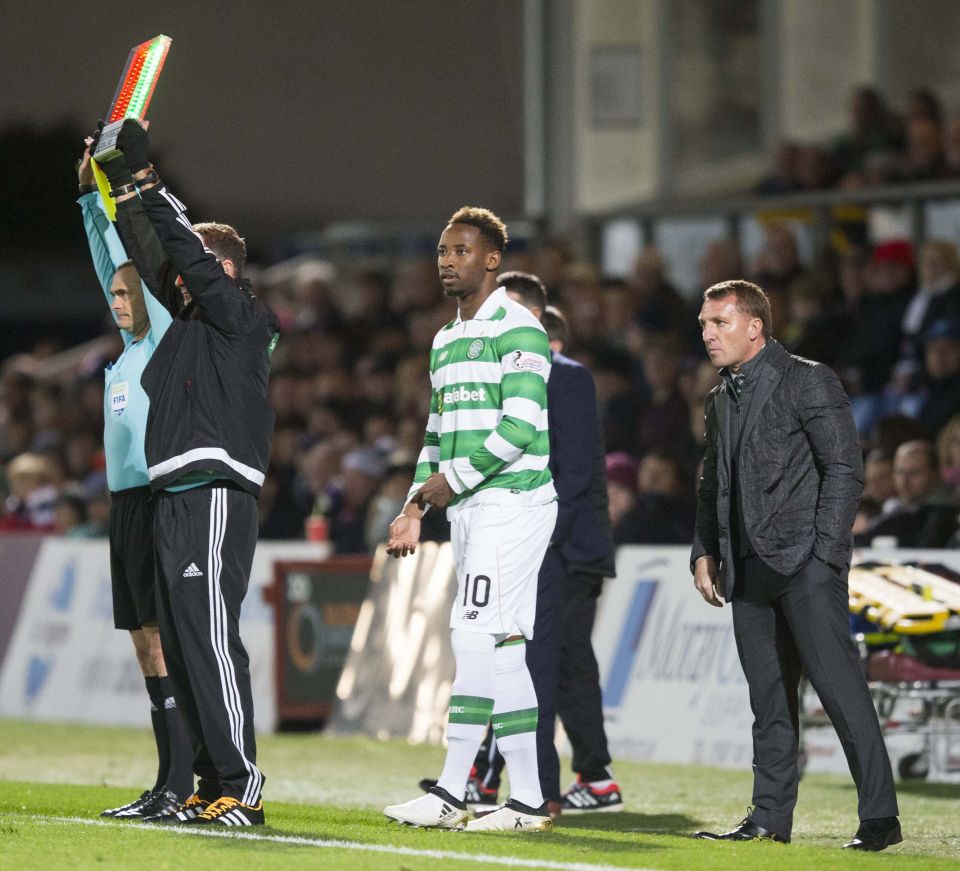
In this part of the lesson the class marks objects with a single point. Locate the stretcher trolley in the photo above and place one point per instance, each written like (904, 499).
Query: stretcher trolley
(905, 620)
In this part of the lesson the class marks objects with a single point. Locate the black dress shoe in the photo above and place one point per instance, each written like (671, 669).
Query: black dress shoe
(876, 835)
(746, 831)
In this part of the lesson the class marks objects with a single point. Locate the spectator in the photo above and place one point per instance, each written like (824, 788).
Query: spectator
(782, 178)
(815, 170)
(720, 261)
(951, 146)
(658, 307)
(878, 483)
(655, 507)
(360, 474)
(30, 505)
(662, 422)
(550, 265)
(777, 265)
(312, 300)
(621, 488)
(617, 399)
(390, 497)
(922, 104)
(948, 453)
(874, 343)
(867, 511)
(938, 295)
(581, 296)
(941, 357)
(700, 381)
(924, 160)
(872, 128)
(924, 513)
(70, 515)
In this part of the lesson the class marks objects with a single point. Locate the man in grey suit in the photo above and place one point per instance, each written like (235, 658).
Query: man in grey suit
(781, 480)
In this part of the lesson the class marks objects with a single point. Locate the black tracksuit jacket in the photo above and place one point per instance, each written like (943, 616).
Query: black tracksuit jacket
(207, 380)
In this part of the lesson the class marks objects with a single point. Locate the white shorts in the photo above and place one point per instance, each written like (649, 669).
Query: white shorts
(498, 550)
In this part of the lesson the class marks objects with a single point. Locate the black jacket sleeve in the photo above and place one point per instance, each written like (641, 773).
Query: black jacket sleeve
(573, 445)
(706, 540)
(827, 420)
(142, 244)
(228, 307)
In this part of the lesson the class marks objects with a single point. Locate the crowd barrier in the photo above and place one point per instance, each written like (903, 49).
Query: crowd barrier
(672, 685)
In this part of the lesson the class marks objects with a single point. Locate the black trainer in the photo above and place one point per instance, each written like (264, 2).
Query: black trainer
(129, 806)
(228, 811)
(160, 801)
(182, 813)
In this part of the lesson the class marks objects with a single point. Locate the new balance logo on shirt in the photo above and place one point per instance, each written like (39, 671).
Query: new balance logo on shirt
(191, 571)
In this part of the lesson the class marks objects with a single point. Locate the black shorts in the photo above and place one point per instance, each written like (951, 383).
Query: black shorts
(132, 568)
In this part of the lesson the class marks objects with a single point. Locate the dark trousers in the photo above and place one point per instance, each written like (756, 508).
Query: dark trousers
(566, 678)
(579, 700)
(785, 624)
(543, 662)
(205, 538)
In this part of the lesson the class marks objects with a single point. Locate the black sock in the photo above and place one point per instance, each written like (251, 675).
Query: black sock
(179, 747)
(595, 775)
(158, 719)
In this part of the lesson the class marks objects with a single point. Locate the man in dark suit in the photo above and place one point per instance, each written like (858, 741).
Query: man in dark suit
(781, 481)
(580, 556)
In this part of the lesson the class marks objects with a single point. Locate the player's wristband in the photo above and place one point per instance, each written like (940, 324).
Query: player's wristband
(86, 189)
(123, 190)
(150, 178)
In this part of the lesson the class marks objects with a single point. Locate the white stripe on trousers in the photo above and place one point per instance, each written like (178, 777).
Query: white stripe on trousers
(218, 638)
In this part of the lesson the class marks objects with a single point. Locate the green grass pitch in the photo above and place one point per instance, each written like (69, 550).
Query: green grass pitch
(323, 798)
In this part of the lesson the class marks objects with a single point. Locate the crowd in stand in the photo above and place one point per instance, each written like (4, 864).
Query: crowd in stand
(350, 389)
(880, 147)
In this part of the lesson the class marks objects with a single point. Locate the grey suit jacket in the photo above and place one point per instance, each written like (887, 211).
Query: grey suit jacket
(800, 469)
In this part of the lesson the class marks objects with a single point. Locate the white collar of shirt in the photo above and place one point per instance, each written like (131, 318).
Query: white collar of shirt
(491, 305)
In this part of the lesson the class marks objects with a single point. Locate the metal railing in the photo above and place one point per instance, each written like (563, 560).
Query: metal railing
(820, 205)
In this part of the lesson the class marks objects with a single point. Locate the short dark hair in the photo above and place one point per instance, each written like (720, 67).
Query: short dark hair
(490, 226)
(558, 330)
(751, 300)
(528, 287)
(224, 242)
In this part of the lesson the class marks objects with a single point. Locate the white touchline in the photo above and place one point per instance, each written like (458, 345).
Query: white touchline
(483, 858)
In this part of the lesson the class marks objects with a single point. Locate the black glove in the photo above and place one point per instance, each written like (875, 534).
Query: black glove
(135, 145)
(116, 171)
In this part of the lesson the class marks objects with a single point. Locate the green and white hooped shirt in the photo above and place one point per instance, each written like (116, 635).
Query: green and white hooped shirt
(487, 430)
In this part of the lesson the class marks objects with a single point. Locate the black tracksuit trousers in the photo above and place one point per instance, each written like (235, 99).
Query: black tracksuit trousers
(205, 539)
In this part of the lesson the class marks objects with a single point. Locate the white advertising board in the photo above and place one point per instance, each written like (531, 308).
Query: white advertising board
(67, 662)
(673, 690)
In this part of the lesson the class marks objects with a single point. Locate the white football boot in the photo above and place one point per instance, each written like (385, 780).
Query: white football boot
(513, 817)
(435, 810)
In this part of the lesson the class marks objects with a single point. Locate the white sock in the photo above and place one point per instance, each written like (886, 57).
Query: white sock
(471, 704)
(515, 722)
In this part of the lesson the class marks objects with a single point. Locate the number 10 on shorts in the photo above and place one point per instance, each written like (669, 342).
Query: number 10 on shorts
(480, 588)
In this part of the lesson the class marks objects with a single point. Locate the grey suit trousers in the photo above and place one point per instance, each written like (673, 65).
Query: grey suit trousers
(785, 624)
